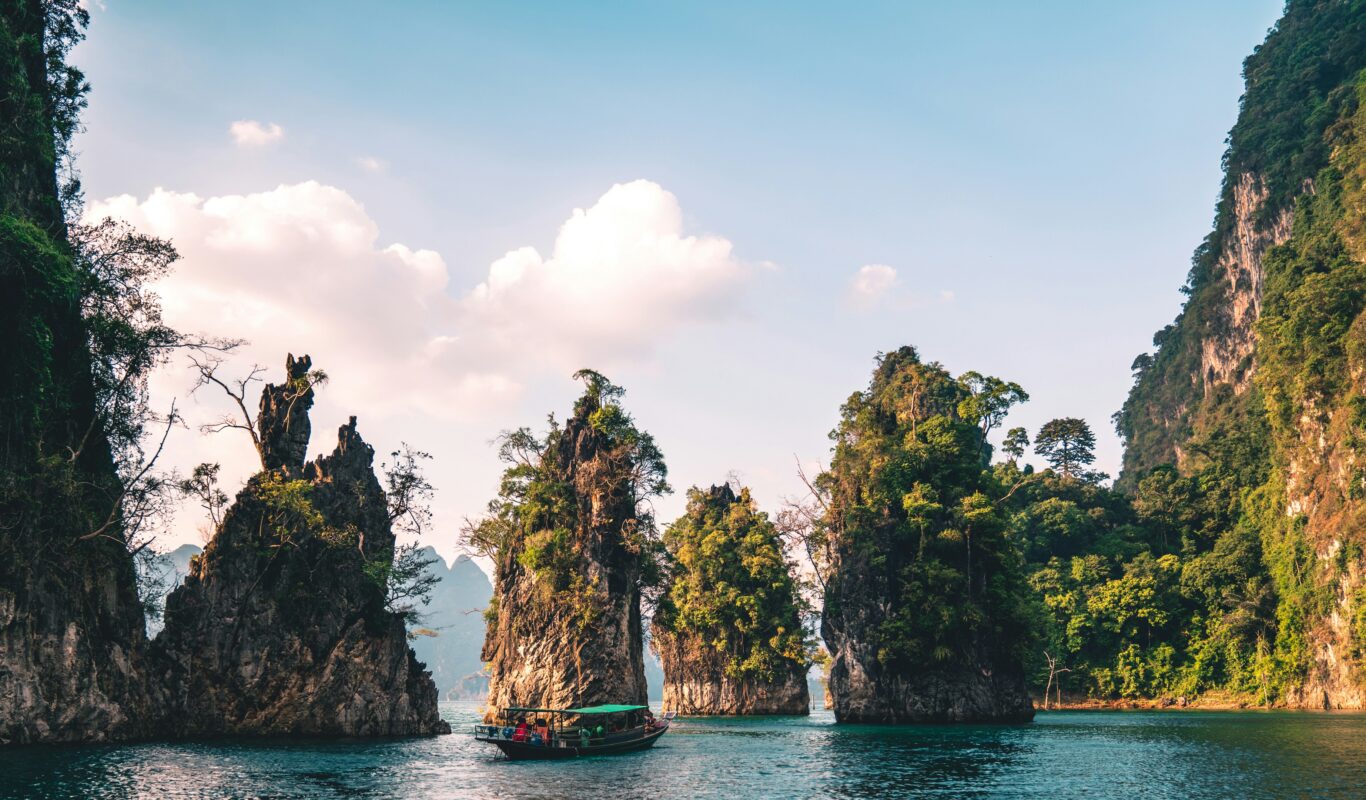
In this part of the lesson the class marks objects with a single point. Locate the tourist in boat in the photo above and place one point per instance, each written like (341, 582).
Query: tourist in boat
(584, 735)
(521, 733)
(543, 730)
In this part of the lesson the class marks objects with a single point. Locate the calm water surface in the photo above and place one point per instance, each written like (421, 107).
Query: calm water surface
(1130, 755)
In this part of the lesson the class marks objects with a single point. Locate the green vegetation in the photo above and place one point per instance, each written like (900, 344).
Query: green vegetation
(579, 491)
(1066, 444)
(913, 524)
(1253, 488)
(731, 588)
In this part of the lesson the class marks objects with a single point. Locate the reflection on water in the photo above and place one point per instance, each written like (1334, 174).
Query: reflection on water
(1128, 755)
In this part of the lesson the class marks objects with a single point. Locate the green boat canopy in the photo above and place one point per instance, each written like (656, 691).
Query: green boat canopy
(607, 709)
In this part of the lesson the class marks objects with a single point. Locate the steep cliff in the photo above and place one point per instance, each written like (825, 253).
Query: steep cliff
(281, 625)
(574, 545)
(728, 629)
(71, 625)
(1257, 385)
(923, 591)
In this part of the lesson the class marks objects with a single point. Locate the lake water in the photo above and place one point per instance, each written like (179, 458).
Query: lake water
(1129, 755)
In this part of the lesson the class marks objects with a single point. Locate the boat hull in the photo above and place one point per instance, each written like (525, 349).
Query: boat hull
(525, 751)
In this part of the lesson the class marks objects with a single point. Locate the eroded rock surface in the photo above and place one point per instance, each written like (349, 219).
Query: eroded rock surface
(570, 634)
(281, 625)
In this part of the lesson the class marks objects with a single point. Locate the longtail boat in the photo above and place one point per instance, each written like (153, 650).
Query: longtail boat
(544, 733)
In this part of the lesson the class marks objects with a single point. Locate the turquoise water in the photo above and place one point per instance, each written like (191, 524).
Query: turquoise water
(1130, 755)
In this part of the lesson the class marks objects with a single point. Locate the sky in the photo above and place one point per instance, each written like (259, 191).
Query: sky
(728, 208)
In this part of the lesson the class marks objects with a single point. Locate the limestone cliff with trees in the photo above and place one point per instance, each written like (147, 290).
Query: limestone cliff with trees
(923, 590)
(574, 547)
(284, 624)
(285, 627)
(729, 627)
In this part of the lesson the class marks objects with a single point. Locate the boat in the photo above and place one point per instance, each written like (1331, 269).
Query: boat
(573, 732)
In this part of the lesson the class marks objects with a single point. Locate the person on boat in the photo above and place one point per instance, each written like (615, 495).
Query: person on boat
(649, 720)
(520, 735)
(584, 735)
(543, 730)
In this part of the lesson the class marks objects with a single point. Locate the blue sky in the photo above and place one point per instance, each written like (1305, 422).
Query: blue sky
(1037, 176)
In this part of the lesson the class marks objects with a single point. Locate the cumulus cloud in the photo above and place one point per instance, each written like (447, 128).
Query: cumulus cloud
(871, 284)
(299, 268)
(302, 268)
(250, 133)
(621, 275)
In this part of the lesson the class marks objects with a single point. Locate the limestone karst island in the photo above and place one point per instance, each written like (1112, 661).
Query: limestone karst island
(683, 399)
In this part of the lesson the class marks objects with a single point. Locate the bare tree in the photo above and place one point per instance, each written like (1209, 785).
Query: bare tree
(804, 523)
(236, 389)
(1055, 673)
(407, 490)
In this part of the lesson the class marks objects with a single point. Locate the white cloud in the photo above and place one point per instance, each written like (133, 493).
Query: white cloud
(871, 284)
(250, 133)
(371, 164)
(301, 268)
(621, 275)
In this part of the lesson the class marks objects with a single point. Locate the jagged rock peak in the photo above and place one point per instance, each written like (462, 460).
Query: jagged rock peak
(283, 419)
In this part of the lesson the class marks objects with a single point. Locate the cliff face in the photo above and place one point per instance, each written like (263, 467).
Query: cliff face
(281, 626)
(696, 683)
(728, 630)
(566, 619)
(923, 594)
(71, 625)
(1259, 377)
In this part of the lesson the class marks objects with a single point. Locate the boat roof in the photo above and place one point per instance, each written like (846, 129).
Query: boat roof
(604, 709)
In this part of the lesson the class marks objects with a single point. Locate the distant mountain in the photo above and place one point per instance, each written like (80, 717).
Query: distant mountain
(167, 571)
(453, 632)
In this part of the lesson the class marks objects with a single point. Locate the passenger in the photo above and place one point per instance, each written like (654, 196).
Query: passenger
(520, 735)
(543, 730)
(584, 735)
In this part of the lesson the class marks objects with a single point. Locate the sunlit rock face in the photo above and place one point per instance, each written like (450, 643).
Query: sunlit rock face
(696, 683)
(281, 625)
(728, 627)
(555, 647)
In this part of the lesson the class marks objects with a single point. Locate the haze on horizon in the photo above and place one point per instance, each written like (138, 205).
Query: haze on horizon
(727, 211)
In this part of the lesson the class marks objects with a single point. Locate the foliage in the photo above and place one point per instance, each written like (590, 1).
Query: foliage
(1067, 444)
(731, 588)
(910, 515)
(407, 491)
(407, 579)
(1016, 443)
(597, 466)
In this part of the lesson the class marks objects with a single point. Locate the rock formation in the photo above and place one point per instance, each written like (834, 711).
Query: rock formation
(573, 549)
(281, 625)
(71, 626)
(1259, 379)
(923, 598)
(728, 630)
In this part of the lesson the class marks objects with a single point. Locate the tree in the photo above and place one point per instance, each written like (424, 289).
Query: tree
(203, 486)
(237, 389)
(1067, 444)
(732, 589)
(407, 580)
(988, 401)
(1016, 443)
